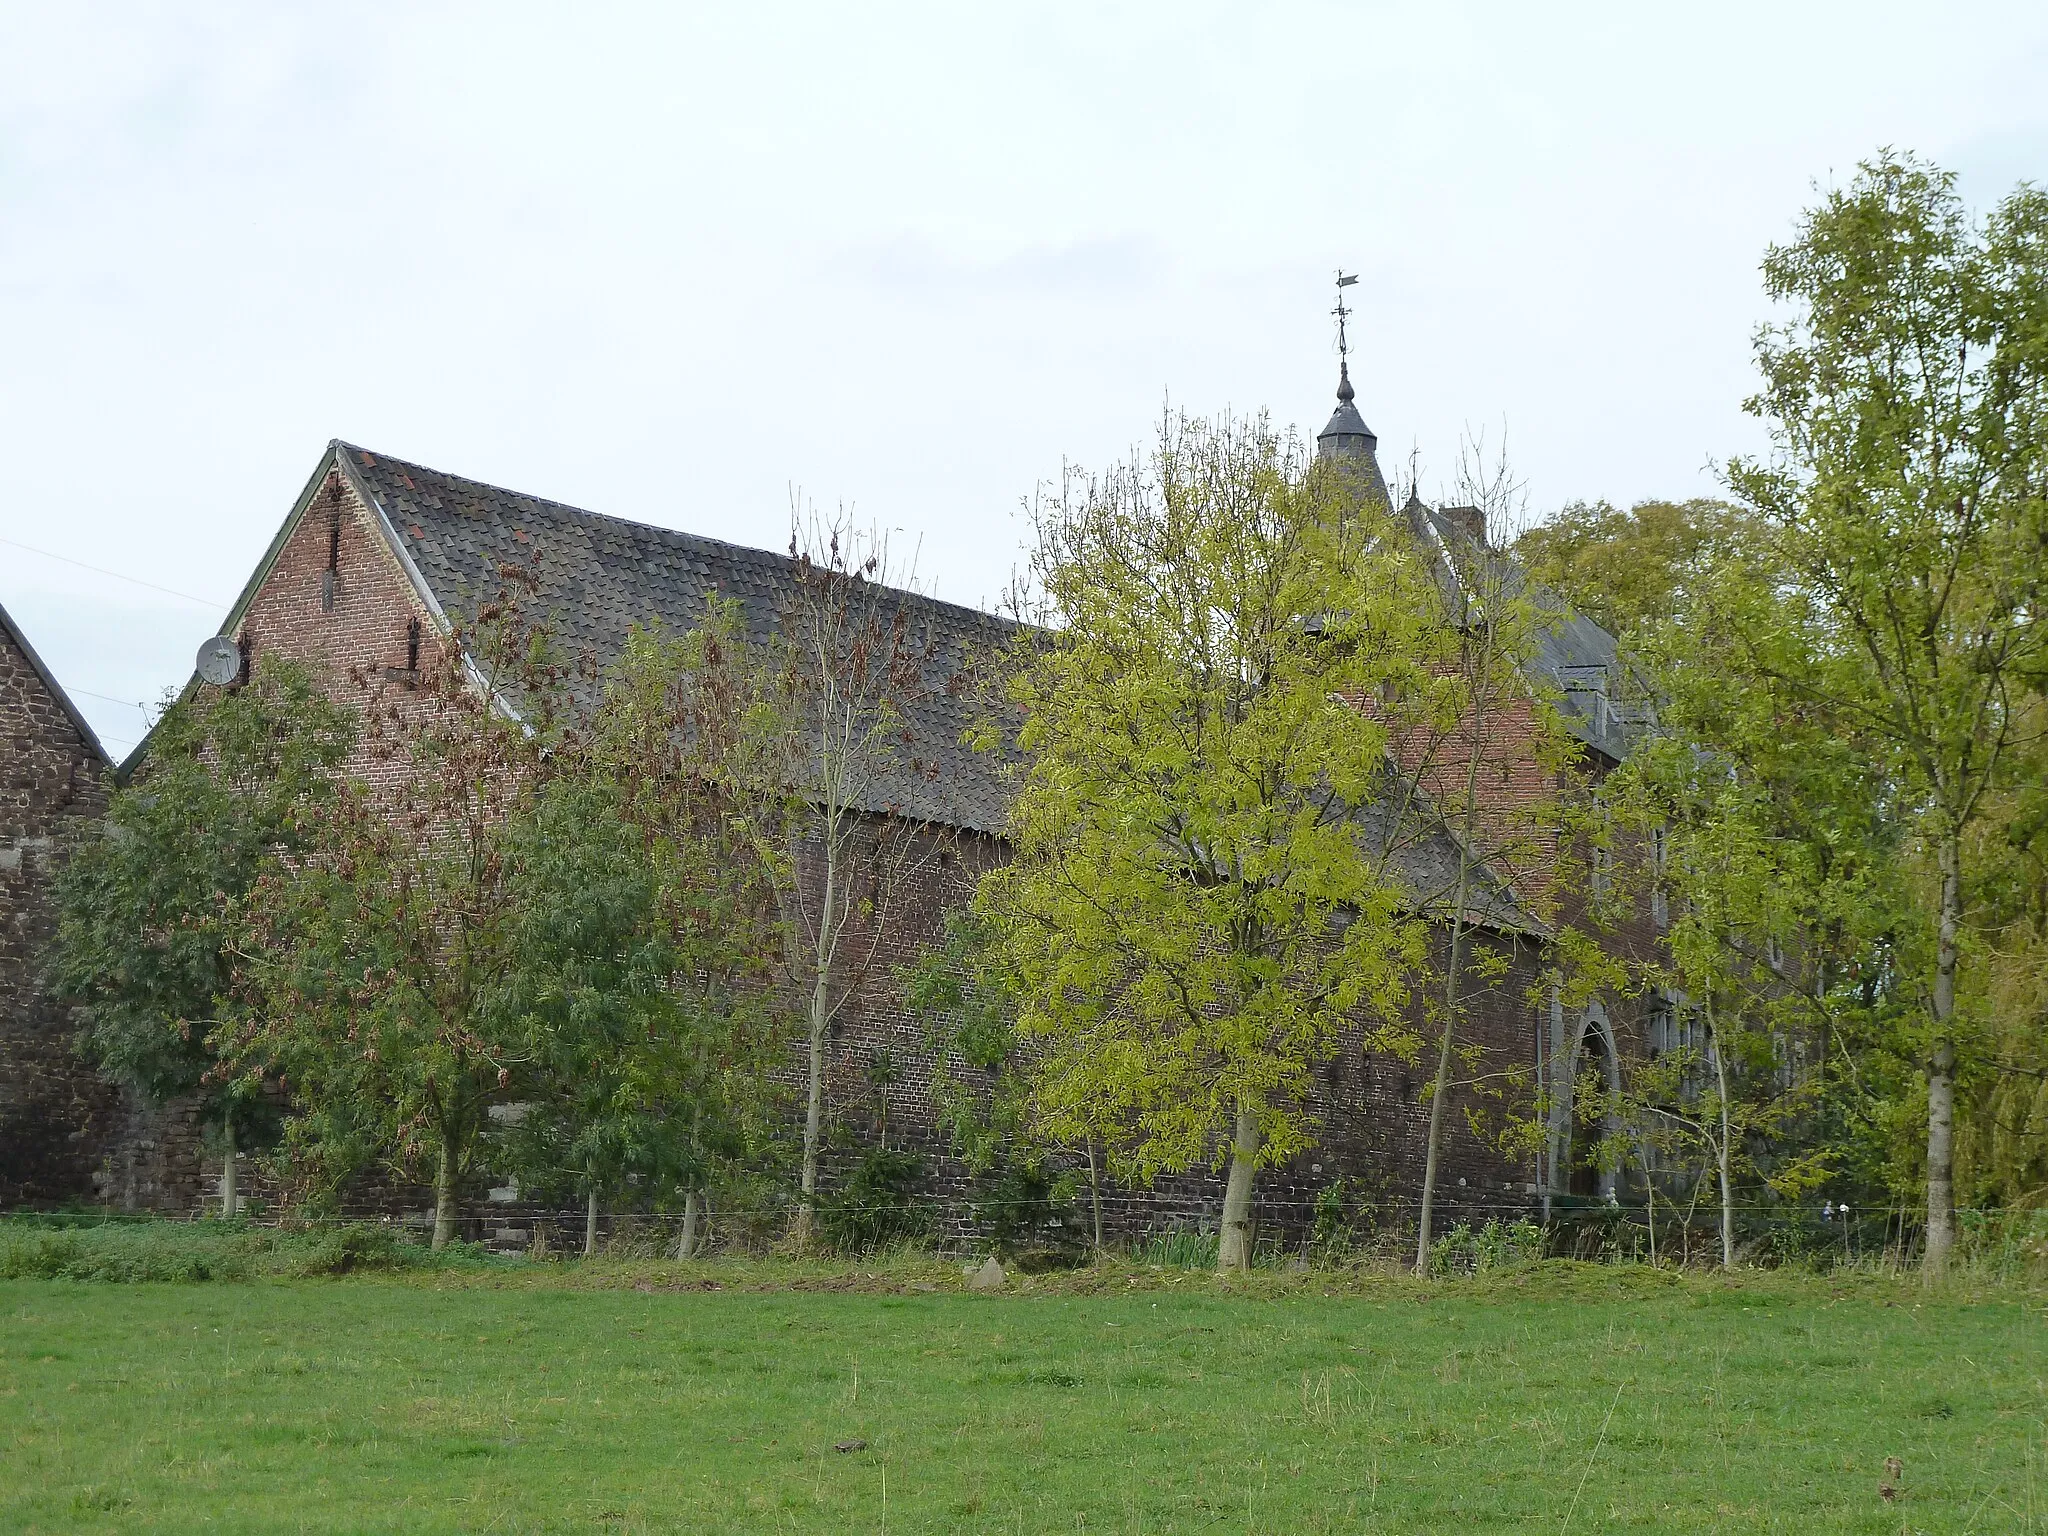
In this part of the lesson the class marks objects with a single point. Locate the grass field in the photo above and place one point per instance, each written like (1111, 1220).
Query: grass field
(543, 1398)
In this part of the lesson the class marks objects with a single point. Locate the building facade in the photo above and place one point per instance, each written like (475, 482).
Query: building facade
(380, 561)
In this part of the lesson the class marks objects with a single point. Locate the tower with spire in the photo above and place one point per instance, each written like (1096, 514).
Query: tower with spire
(1347, 439)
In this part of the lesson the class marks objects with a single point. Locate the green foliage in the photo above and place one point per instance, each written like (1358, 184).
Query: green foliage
(377, 955)
(149, 908)
(1466, 1251)
(1908, 506)
(879, 1206)
(1030, 1211)
(1193, 916)
(1628, 570)
(166, 1251)
(1343, 1209)
(1179, 1247)
(618, 1065)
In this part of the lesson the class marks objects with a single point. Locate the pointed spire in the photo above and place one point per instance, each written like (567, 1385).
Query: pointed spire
(1347, 435)
(1347, 438)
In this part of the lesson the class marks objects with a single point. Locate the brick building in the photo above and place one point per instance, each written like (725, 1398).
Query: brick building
(379, 559)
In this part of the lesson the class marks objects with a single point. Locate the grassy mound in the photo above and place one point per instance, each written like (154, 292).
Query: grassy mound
(184, 1251)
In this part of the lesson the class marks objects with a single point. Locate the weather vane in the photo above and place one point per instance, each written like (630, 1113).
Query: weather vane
(1343, 314)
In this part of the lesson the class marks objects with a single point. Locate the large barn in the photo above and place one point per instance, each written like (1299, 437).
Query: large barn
(379, 559)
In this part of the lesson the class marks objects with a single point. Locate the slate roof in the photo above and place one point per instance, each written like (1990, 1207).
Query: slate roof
(1425, 865)
(1576, 661)
(600, 576)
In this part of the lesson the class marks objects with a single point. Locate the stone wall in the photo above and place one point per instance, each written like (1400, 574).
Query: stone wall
(57, 1117)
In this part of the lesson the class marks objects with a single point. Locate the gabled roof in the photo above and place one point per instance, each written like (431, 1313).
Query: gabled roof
(56, 689)
(600, 576)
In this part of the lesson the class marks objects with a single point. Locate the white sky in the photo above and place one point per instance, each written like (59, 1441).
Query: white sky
(667, 262)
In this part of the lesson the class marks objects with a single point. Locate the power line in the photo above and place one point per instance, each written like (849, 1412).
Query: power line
(108, 698)
(100, 570)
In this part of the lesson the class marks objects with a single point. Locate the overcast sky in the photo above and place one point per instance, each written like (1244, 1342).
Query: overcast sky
(668, 262)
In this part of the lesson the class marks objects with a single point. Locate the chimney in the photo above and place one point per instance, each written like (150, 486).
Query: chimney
(1470, 521)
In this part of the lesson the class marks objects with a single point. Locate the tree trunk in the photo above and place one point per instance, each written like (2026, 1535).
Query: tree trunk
(1726, 1148)
(444, 1195)
(227, 1170)
(1650, 1184)
(1941, 1066)
(1234, 1243)
(1452, 978)
(1438, 1094)
(686, 1245)
(821, 1016)
(590, 1221)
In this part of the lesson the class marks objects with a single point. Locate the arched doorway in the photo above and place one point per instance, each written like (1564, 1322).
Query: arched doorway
(1589, 1117)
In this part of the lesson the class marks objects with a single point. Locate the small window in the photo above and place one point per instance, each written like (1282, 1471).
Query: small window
(412, 645)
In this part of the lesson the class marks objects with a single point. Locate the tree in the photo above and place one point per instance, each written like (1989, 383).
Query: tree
(233, 782)
(610, 1077)
(994, 1095)
(1481, 719)
(378, 954)
(1194, 914)
(654, 1010)
(853, 663)
(1740, 1089)
(1625, 570)
(1908, 497)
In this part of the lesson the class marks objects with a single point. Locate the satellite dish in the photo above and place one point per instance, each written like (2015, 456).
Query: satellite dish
(220, 661)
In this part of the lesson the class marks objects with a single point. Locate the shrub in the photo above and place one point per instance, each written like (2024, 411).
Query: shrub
(1030, 1214)
(878, 1206)
(1179, 1247)
(129, 1251)
(1462, 1251)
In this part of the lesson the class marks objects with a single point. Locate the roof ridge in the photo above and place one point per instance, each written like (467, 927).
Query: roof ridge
(701, 540)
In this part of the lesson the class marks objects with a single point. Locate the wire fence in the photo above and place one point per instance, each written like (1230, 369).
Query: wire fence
(1470, 1233)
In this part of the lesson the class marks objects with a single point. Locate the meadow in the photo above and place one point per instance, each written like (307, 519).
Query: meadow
(506, 1396)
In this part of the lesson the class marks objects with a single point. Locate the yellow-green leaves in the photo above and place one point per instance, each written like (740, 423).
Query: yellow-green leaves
(1194, 915)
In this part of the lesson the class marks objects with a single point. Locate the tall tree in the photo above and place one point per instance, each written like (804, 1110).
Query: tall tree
(655, 1009)
(1194, 915)
(1482, 725)
(854, 662)
(588, 991)
(1907, 397)
(1627, 569)
(233, 782)
(377, 956)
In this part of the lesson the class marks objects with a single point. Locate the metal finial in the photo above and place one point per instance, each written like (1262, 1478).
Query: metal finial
(1343, 314)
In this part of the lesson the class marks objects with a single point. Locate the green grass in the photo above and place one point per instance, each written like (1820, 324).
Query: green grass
(631, 1397)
